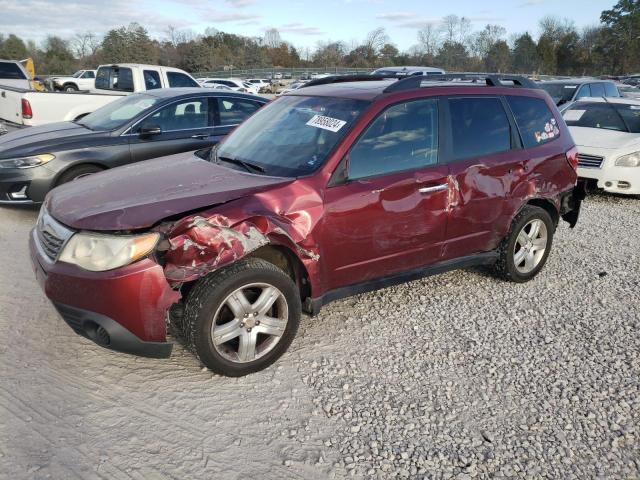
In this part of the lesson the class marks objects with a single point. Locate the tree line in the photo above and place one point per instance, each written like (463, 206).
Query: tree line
(610, 47)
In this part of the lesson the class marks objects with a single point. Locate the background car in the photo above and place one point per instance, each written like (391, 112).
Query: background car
(628, 91)
(259, 82)
(570, 90)
(292, 86)
(136, 127)
(81, 80)
(235, 84)
(607, 133)
(407, 71)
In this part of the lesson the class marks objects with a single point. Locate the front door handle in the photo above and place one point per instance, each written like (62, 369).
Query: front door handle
(200, 136)
(435, 188)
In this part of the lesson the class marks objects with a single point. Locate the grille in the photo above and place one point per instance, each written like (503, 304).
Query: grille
(51, 245)
(589, 161)
(52, 236)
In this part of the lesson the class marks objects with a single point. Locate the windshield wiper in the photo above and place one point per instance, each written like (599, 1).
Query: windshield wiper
(249, 167)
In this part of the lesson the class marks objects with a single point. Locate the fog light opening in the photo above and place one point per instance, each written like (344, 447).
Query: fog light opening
(20, 194)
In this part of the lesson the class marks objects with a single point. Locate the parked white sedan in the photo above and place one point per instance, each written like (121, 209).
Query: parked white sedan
(607, 133)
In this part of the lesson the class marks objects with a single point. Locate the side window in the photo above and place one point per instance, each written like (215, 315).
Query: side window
(597, 90)
(90, 75)
(480, 126)
(611, 90)
(234, 110)
(177, 79)
(403, 137)
(114, 78)
(186, 115)
(11, 71)
(151, 79)
(535, 121)
(584, 91)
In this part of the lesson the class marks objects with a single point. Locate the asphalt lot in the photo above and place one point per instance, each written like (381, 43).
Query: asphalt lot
(455, 376)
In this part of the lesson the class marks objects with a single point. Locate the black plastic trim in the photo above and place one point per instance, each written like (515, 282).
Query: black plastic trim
(314, 305)
(87, 324)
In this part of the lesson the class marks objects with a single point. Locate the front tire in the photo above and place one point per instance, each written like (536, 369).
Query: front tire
(242, 318)
(525, 249)
(70, 87)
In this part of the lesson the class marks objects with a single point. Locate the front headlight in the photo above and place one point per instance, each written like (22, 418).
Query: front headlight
(27, 162)
(631, 160)
(98, 252)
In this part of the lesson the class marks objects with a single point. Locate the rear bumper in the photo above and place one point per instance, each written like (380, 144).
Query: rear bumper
(123, 309)
(571, 201)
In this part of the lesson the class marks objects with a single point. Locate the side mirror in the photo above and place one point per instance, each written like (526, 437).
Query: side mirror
(149, 131)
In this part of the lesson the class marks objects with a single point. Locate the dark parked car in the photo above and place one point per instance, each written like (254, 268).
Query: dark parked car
(137, 127)
(334, 189)
(570, 90)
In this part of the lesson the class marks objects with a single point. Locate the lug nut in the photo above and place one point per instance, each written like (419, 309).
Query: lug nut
(257, 322)
(248, 329)
(242, 324)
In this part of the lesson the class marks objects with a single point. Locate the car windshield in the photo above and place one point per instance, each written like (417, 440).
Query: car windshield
(116, 114)
(607, 116)
(560, 92)
(77, 74)
(293, 135)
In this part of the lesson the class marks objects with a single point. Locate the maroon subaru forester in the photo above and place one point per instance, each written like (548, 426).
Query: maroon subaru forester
(344, 186)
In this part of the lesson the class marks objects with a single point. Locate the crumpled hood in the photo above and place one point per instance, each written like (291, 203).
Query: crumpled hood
(142, 194)
(48, 138)
(601, 138)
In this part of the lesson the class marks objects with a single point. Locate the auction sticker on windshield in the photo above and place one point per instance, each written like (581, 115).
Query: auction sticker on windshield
(326, 123)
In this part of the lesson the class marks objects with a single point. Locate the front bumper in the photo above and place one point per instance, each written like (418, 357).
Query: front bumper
(122, 309)
(33, 183)
(613, 179)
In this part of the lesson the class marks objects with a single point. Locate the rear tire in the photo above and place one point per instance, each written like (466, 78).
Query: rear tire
(75, 173)
(525, 249)
(242, 318)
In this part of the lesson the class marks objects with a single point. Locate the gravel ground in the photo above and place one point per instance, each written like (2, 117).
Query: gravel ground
(455, 376)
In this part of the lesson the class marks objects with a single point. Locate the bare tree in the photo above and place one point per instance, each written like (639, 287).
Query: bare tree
(430, 38)
(449, 28)
(376, 39)
(85, 44)
(272, 38)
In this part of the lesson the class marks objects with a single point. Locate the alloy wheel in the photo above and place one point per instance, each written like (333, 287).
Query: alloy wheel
(249, 322)
(530, 246)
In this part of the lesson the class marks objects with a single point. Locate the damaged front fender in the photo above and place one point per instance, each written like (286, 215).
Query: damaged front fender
(201, 244)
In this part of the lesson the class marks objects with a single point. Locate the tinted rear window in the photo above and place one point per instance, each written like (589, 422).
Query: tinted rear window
(535, 121)
(480, 126)
(177, 79)
(115, 78)
(560, 92)
(11, 71)
(594, 115)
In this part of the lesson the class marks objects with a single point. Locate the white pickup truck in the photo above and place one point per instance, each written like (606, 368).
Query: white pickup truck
(81, 80)
(27, 107)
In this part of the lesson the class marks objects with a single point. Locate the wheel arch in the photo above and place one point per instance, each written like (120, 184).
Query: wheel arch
(546, 205)
(71, 166)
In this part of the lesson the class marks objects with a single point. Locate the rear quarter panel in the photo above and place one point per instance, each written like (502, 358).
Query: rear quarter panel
(49, 107)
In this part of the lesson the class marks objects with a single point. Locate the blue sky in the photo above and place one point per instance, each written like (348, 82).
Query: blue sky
(301, 22)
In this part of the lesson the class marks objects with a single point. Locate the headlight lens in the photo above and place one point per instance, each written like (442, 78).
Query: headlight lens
(27, 162)
(631, 160)
(97, 252)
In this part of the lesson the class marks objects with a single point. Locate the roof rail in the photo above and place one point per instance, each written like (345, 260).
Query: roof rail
(344, 79)
(490, 79)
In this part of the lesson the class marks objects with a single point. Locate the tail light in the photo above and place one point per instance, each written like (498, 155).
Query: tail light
(572, 158)
(27, 113)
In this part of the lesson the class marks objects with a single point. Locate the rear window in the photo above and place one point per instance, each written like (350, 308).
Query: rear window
(560, 92)
(151, 80)
(597, 90)
(594, 115)
(535, 121)
(11, 71)
(115, 78)
(177, 80)
(480, 126)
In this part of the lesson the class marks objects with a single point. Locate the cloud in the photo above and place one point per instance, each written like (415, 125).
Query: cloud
(241, 3)
(300, 29)
(531, 3)
(395, 16)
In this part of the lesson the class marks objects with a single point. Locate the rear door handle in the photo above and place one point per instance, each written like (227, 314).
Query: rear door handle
(435, 188)
(200, 136)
